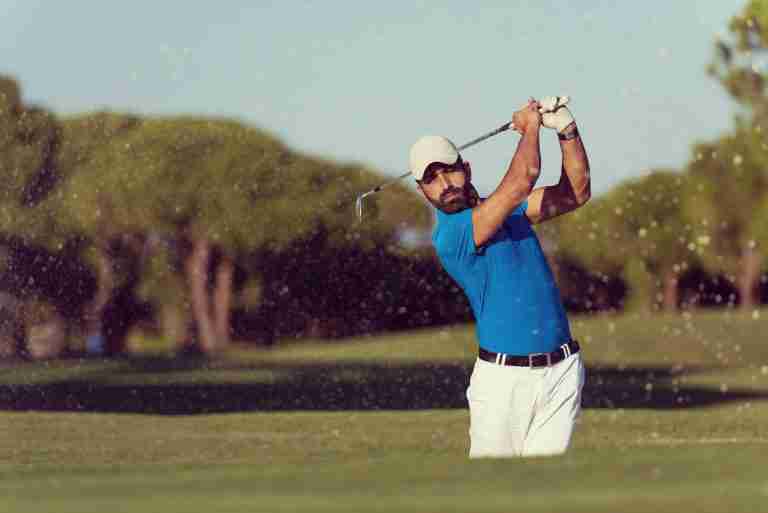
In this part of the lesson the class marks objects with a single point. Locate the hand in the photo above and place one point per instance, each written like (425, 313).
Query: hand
(527, 118)
(554, 113)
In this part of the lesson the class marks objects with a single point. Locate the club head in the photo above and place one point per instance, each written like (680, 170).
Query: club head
(359, 204)
(359, 208)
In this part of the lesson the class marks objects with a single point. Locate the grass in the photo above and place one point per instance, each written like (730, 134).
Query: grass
(638, 447)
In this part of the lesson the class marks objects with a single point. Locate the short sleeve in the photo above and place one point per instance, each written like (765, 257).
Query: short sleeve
(456, 239)
(455, 245)
(517, 224)
(521, 208)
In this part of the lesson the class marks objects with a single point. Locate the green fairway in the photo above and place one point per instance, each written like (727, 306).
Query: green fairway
(676, 420)
(378, 461)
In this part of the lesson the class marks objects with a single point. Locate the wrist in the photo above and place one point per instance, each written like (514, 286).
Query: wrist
(532, 133)
(569, 132)
(533, 128)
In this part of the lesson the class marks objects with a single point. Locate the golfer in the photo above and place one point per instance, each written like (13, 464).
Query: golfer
(525, 390)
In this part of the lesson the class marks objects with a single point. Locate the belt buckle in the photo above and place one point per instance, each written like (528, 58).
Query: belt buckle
(534, 355)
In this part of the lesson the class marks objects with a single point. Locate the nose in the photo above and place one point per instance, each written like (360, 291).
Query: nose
(443, 180)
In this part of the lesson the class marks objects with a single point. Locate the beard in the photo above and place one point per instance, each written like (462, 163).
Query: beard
(456, 199)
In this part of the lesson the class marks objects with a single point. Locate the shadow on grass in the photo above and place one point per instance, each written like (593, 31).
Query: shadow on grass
(351, 386)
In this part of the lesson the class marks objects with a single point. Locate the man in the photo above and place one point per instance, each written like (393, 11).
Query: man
(525, 390)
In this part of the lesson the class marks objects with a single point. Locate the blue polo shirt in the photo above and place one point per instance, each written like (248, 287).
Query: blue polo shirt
(509, 284)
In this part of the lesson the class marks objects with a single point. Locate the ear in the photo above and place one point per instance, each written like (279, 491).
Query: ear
(423, 193)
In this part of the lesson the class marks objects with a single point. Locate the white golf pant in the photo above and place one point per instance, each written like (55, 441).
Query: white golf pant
(523, 411)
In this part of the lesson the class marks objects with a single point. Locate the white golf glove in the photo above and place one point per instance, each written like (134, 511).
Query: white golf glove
(554, 113)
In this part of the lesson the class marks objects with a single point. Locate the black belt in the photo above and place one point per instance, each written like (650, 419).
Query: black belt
(533, 359)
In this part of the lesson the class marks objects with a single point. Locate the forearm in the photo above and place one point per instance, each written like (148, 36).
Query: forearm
(524, 169)
(521, 176)
(518, 181)
(575, 170)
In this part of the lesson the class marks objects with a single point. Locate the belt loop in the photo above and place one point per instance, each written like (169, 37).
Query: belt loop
(566, 350)
(504, 359)
(498, 358)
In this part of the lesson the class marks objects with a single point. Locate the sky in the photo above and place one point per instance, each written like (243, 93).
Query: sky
(361, 81)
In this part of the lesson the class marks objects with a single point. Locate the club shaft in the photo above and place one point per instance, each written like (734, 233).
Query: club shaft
(502, 128)
(464, 146)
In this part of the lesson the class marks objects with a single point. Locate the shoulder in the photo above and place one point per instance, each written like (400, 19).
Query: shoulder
(452, 230)
(449, 224)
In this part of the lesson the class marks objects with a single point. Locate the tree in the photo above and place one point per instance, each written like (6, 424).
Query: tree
(636, 231)
(739, 60)
(731, 172)
(28, 140)
(50, 220)
(213, 188)
(654, 236)
(584, 237)
(727, 188)
(177, 203)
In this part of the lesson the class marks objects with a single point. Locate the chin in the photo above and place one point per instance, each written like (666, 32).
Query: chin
(452, 208)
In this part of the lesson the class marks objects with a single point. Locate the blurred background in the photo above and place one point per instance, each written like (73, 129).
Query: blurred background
(181, 178)
(189, 306)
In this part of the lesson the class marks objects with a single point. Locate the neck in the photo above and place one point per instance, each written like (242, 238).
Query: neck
(474, 197)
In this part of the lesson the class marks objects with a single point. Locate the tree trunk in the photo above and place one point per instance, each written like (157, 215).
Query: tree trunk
(748, 280)
(20, 335)
(12, 328)
(196, 267)
(173, 321)
(642, 290)
(670, 292)
(222, 299)
(47, 339)
(94, 311)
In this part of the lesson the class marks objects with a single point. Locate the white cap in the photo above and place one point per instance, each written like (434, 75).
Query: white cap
(429, 149)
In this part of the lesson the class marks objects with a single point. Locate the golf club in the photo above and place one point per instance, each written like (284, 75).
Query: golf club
(360, 198)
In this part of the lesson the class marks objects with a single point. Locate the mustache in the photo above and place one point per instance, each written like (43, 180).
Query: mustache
(450, 190)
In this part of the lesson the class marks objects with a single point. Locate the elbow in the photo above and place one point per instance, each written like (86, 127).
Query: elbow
(517, 187)
(531, 177)
(584, 193)
(582, 198)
